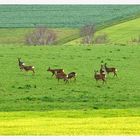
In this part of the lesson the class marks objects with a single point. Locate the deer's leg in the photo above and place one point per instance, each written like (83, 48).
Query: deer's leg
(66, 81)
(52, 74)
(104, 81)
(33, 71)
(115, 74)
(74, 78)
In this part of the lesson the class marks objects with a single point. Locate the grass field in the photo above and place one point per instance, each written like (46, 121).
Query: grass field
(39, 104)
(21, 91)
(122, 33)
(65, 24)
(18, 35)
(58, 123)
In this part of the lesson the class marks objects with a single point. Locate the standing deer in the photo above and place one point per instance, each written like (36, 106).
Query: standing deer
(102, 69)
(54, 71)
(72, 75)
(20, 63)
(61, 75)
(100, 76)
(110, 70)
(29, 68)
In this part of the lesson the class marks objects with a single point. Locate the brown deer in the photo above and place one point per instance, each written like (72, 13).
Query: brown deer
(110, 70)
(20, 63)
(100, 76)
(61, 75)
(72, 75)
(102, 69)
(29, 68)
(54, 71)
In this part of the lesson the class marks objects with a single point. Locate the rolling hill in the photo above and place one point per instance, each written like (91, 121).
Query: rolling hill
(19, 20)
(124, 33)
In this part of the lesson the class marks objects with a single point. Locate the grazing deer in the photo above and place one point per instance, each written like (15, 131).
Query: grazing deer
(100, 76)
(54, 71)
(29, 68)
(72, 75)
(61, 75)
(110, 70)
(20, 63)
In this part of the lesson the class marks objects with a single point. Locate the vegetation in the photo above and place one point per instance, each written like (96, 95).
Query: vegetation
(64, 15)
(126, 33)
(25, 92)
(18, 35)
(58, 123)
(40, 105)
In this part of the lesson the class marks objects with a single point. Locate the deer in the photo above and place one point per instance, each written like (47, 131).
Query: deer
(110, 70)
(100, 76)
(61, 75)
(29, 68)
(54, 71)
(72, 75)
(102, 69)
(20, 63)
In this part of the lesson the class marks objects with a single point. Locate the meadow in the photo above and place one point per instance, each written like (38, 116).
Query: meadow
(21, 91)
(39, 104)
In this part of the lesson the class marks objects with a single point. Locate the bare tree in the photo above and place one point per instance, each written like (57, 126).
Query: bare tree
(41, 36)
(87, 34)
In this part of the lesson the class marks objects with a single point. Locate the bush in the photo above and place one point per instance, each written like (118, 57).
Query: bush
(41, 36)
(136, 40)
(101, 39)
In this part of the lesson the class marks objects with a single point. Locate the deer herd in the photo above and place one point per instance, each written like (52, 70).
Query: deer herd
(60, 74)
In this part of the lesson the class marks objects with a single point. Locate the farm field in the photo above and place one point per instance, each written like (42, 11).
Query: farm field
(17, 21)
(39, 104)
(65, 15)
(109, 122)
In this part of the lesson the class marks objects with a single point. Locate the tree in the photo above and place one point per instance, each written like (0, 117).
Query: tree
(87, 34)
(41, 36)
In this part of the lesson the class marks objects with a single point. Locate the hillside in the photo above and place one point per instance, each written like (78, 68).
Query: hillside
(64, 19)
(123, 33)
(64, 15)
(17, 35)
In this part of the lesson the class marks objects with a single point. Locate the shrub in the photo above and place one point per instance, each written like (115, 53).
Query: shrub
(101, 39)
(41, 36)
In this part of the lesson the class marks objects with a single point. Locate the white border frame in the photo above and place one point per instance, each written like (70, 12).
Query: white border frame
(69, 1)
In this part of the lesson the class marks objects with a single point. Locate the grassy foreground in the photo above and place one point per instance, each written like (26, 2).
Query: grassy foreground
(21, 91)
(95, 122)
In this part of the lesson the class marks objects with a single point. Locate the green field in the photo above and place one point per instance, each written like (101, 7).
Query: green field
(64, 15)
(18, 35)
(39, 104)
(21, 91)
(121, 34)
(17, 21)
